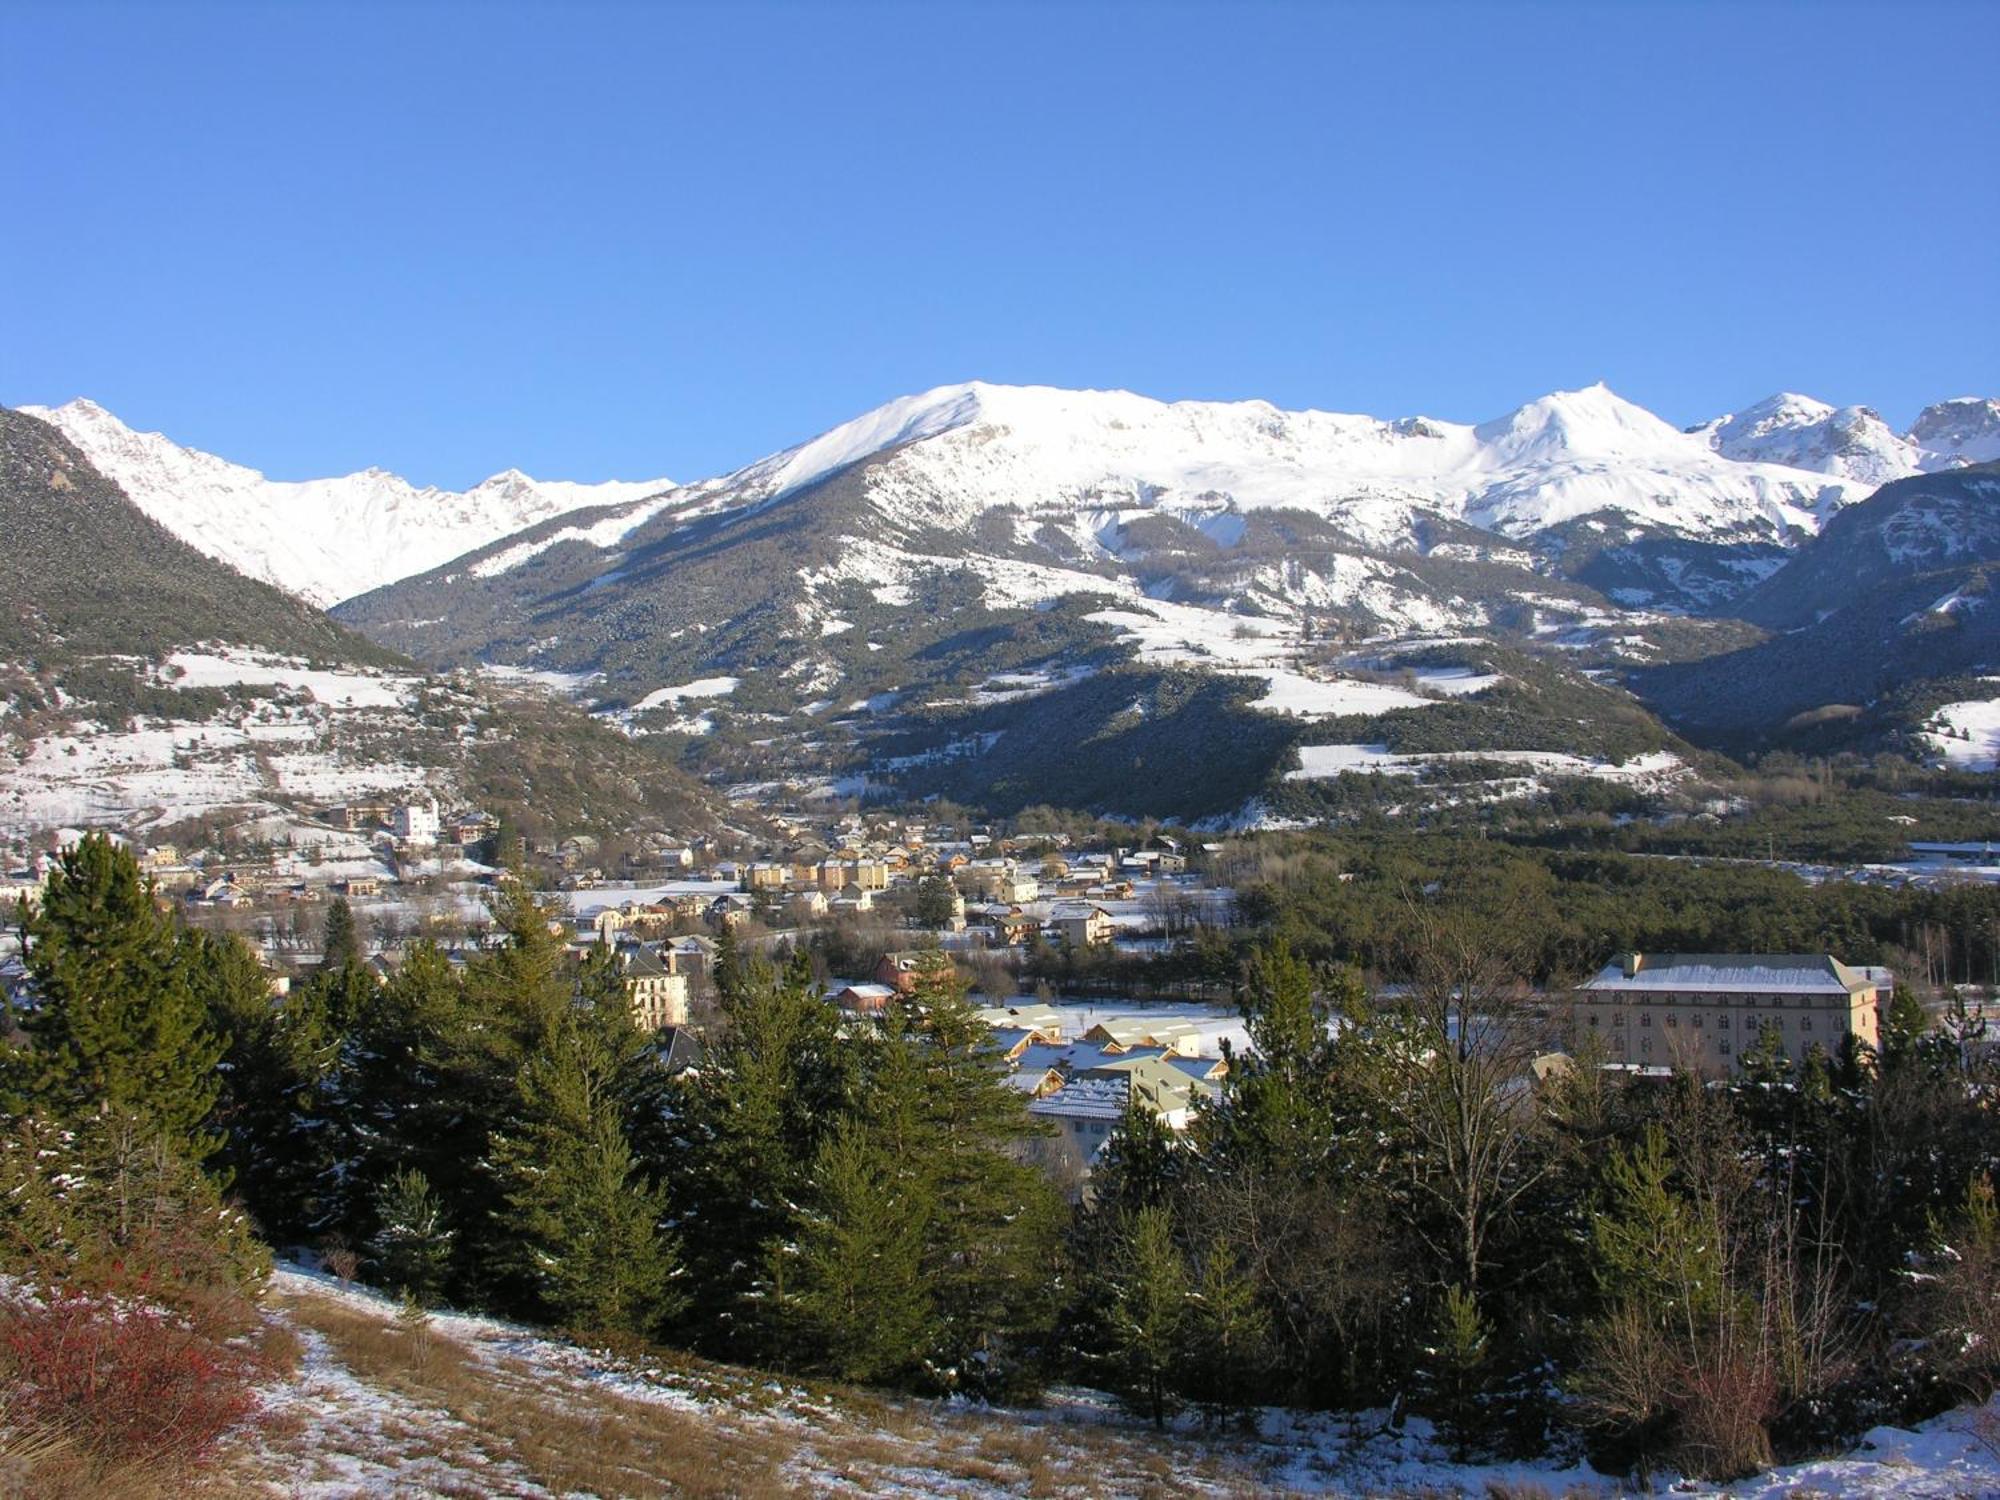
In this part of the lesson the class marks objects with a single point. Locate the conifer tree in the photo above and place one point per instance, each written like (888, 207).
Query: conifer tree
(342, 945)
(279, 1054)
(1147, 1314)
(749, 1124)
(855, 1303)
(410, 1251)
(1455, 1371)
(584, 1221)
(119, 1027)
(995, 1226)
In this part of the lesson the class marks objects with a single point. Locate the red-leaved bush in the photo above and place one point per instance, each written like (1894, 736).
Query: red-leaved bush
(121, 1381)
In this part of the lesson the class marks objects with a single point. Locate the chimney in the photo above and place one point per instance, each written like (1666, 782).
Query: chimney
(1634, 962)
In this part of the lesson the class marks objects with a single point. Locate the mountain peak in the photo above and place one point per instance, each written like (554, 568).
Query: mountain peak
(1593, 418)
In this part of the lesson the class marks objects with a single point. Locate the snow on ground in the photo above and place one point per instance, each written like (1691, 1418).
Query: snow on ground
(1317, 762)
(1967, 735)
(701, 687)
(598, 898)
(568, 683)
(336, 1434)
(1311, 698)
(232, 667)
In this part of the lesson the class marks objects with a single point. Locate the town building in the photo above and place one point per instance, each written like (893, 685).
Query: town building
(1704, 1011)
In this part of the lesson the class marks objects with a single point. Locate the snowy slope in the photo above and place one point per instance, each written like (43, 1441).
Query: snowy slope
(1964, 430)
(1850, 441)
(322, 539)
(1853, 442)
(969, 448)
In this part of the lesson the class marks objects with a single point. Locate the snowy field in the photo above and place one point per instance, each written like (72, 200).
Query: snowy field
(1317, 762)
(309, 743)
(1966, 736)
(491, 1408)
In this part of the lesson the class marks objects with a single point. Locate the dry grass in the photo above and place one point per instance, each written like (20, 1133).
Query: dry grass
(479, 1410)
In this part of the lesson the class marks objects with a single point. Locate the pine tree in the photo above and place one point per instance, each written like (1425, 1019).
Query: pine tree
(410, 1251)
(749, 1124)
(581, 1216)
(119, 1027)
(342, 945)
(855, 1303)
(1147, 1314)
(1227, 1338)
(1455, 1369)
(995, 1229)
(278, 1054)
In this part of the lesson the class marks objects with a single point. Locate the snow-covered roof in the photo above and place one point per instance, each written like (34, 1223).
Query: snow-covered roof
(1727, 973)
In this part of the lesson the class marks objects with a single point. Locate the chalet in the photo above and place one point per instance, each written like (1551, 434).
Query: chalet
(806, 905)
(1010, 926)
(1081, 924)
(359, 885)
(1124, 1034)
(731, 909)
(851, 901)
(1704, 1011)
(1034, 1016)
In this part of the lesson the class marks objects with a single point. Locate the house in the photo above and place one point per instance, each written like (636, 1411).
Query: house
(731, 909)
(1034, 1016)
(359, 885)
(1081, 924)
(692, 956)
(851, 901)
(902, 970)
(679, 1050)
(806, 905)
(657, 995)
(866, 998)
(1088, 1107)
(415, 822)
(1704, 1011)
(223, 892)
(1125, 1034)
(1011, 927)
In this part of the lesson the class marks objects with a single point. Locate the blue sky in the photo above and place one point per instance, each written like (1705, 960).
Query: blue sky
(637, 240)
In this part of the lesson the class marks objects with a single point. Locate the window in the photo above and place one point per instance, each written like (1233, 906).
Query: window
(1645, 1018)
(1646, 1044)
(1618, 1018)
(1696, 1022)
(1722, 1021)
(1723, 1043)
(1805, 1023)
(1593, 1018)
(1672, 1019)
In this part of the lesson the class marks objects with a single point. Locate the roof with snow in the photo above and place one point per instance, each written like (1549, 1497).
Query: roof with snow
(1727, 973)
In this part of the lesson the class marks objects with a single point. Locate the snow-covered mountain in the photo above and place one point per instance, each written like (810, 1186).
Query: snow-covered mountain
(322, 539)
(1572, 454)
(1853, 442)
(1964, 430)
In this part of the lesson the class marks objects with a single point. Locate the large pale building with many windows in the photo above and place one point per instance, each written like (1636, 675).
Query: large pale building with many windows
(1703, 1011)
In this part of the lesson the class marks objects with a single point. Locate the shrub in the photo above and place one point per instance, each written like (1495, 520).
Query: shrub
(121, 1382)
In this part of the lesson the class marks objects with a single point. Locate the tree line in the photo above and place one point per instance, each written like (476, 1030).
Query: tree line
(1398, 1205)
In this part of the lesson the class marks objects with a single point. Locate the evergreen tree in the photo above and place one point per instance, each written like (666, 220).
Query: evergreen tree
(119, 1027)
(342, 945)
(749, 1124)
(1456, 1371)
(580, 1214)
(279, 1054)
(855, 1303)
(995, 1228)
(410, 1251)
(1147, 1314)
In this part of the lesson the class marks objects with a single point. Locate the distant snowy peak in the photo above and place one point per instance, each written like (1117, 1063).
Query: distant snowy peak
(943, 458)
(1965, 430)
(1850, 441)
(322, 539)
(1854, 442)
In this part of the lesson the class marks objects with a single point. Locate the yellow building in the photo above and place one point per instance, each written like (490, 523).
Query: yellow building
(1703, 1011)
